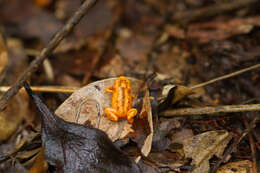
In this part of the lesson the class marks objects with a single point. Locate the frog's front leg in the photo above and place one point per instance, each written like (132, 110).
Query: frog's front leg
(111, 114)
(131, 114)
(110, 89)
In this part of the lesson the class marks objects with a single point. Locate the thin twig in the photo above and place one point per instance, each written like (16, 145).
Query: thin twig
(59, 36)
(210, 110)
(233, 146)
(252, 146)
(225, 76)
(47, 89)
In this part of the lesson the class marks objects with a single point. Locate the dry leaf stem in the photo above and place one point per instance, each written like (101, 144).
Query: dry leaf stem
(210, 110)
(225, 76)
(59, 36)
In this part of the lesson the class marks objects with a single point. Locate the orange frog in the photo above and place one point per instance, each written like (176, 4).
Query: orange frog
(121, 101)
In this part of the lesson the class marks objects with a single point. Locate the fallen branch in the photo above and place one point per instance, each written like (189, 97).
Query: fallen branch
(59, 36)
(210, 110)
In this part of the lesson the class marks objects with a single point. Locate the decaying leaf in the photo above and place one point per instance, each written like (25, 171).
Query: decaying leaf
(243, 166)
(75, 148)
(203, 146)
(89, 103)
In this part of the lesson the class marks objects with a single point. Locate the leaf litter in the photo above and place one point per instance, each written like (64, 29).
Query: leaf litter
(113, 47)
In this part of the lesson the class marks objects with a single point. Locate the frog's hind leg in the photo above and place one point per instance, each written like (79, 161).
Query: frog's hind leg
(131, 114)
(111, 114)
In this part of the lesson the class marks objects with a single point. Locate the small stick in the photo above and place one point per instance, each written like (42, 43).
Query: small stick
(210, 110)
(225, 76)
(47, 89)
(59, 36)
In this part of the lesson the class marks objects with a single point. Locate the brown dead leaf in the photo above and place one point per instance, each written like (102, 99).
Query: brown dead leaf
(215, 30)
(115, 67)
(76, 65)
(28, 20)
(243, 166)
(219, 30)
(173, 62)
(133, 48)
(203, 146)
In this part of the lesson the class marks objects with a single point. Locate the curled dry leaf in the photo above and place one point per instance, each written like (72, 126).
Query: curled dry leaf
(203, 146)
(180, 92)
(89, 103)
(143, 127)
(172, 94)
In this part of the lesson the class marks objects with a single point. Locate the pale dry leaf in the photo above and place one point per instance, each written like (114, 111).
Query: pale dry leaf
(203, 146)
(94, 99)
(243, 166)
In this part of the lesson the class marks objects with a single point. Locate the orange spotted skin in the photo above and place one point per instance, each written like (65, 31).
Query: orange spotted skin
(121, 102)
